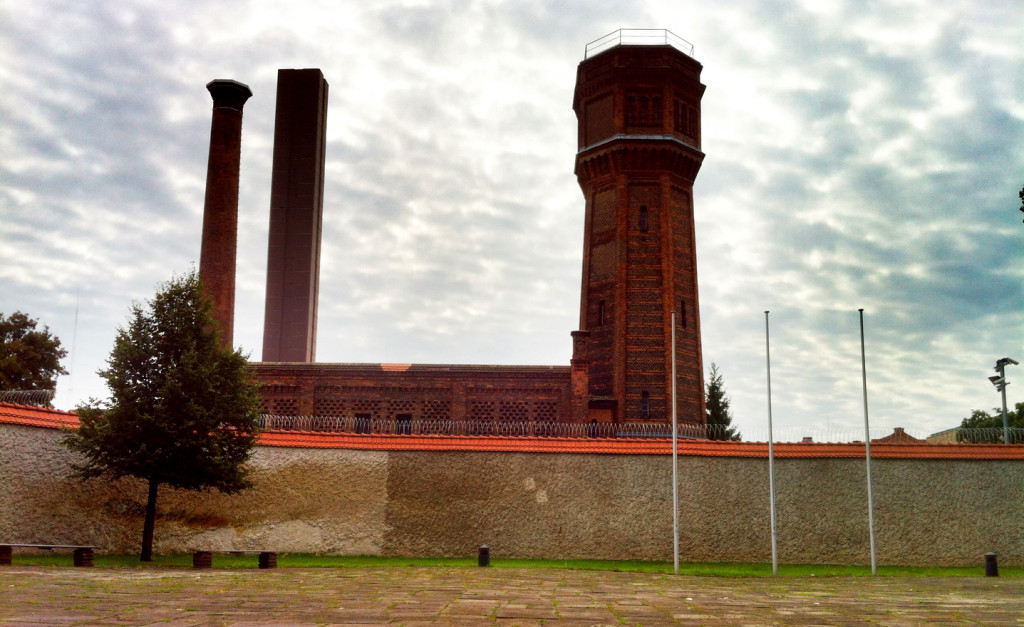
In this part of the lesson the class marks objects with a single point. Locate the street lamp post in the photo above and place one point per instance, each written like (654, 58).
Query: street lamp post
(1000, 382)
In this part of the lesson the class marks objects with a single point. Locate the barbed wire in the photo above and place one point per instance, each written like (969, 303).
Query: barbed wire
(38, 398)
(516, 428)
(989, 435)
(510, 428)
(956, 435)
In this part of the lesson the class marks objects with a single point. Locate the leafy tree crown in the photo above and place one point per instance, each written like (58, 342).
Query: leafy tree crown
(983, 426)
(29, 357)
(183, 409)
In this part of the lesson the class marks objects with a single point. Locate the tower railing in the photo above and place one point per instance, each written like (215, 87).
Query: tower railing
(638, 37)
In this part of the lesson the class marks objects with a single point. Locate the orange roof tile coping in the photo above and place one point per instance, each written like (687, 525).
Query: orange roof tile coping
(31, 416)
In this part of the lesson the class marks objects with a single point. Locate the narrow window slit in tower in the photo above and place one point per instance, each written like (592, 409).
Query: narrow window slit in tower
(602, 314)
(645, 404)
(643, 218)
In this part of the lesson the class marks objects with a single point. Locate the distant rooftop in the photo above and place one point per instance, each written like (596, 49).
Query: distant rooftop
(638, 37)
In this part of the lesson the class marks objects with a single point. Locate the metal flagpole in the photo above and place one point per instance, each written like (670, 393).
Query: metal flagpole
(867, 448)
(675, 453)
(1002, 389)
(771, 453)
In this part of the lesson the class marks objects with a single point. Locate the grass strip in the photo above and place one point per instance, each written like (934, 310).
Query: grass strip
(716, 569)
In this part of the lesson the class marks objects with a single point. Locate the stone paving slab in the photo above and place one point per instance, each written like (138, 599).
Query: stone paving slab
(414, 596)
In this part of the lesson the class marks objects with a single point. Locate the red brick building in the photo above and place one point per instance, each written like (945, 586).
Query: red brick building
(638, 111)
(414, 392)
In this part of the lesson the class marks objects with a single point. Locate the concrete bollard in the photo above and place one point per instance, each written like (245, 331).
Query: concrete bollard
(484, 556)
(991, 565)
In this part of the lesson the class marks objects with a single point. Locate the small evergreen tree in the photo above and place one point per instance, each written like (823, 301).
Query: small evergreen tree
(183, 409)
(719, 415)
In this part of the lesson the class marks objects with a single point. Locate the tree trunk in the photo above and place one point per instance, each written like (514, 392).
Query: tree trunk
(147, 527)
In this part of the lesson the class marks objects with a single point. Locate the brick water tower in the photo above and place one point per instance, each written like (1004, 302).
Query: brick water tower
(637, 102)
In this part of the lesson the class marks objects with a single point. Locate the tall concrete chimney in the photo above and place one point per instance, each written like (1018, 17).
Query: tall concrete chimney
(220, 216)
(296, 210)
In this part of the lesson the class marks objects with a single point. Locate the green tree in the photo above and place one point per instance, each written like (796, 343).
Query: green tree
(983, 426)
(29, 358)
(183, 409)
(1021, 198)
(717, 407)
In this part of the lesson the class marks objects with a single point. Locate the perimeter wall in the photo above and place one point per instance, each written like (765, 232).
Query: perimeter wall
(531, 504)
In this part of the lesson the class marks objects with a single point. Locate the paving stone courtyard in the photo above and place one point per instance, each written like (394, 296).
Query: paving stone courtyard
(500, 596)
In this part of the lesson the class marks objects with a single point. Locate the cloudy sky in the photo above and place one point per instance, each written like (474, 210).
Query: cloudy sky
(860, 154)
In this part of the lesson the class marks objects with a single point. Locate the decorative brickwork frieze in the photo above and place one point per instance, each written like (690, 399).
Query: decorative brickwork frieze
(281, 406)
(482, 410)
(514, 410)
(436, 410)
(417, 392)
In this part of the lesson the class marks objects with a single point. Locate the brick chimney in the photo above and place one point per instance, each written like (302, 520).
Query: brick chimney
(220, 215)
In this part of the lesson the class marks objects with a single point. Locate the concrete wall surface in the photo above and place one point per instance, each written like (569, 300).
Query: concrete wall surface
(565, 505)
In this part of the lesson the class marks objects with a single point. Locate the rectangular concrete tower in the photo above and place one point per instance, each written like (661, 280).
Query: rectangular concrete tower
(296, 210)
